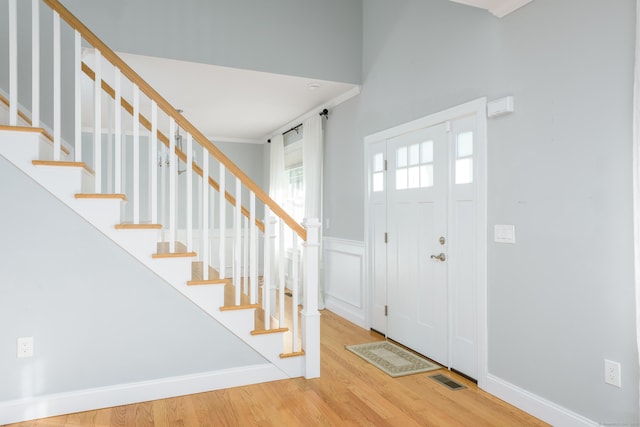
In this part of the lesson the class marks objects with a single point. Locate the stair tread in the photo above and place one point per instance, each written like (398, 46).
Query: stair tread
(63, 164)
(239, 307)
(174, 255)
(292, 354)
(143, 226)
(101, 196)
(269, 331)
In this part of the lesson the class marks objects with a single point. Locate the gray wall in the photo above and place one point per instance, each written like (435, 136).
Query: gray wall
(294, 37)
(89, 310)
(561, 299)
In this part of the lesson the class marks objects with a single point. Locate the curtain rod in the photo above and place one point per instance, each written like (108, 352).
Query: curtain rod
(324, 113)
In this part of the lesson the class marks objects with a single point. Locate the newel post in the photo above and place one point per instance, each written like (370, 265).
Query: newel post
(310, 313)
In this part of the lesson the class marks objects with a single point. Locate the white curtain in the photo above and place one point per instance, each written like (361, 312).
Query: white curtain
(277, 189)
(312, 165)
(636, 173)
(276, 170)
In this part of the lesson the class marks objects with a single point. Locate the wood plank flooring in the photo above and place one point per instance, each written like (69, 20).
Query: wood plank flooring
(350, 392)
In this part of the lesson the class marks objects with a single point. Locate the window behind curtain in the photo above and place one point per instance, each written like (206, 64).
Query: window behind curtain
(294, 173)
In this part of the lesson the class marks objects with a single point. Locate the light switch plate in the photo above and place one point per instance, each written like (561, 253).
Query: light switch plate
(504, 233)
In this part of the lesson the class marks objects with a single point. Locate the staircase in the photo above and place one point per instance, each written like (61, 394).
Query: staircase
(132, 179)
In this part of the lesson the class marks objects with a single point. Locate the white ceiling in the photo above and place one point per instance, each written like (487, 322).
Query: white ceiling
(225, 104)
(499, 8)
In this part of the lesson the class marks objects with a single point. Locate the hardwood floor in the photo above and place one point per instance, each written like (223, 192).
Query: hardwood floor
(350, 392)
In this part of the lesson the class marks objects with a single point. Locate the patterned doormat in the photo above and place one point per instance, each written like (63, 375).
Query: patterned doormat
(392, 359)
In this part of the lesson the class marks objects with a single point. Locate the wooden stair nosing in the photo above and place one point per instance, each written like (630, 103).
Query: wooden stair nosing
(293, 354)
(23, 129)
(101, 196)
(239, 307)
(268, 331)
(208, 282)
(174, 255)
(127, 226)
(82, 165)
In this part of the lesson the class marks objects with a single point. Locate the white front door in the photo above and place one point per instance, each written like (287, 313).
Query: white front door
(426, 239)
(417, 221)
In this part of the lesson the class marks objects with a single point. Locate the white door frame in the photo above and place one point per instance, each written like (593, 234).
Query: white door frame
(478, 108)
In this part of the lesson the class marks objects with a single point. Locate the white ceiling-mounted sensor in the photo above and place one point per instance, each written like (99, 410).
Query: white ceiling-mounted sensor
(500, 107)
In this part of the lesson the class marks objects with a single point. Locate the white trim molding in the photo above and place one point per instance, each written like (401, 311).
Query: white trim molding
(344, 289)
(124, 394)
(499, 8)
(535, 405)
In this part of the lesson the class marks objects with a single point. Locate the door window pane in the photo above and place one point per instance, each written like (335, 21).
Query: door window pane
(464, 171)
(414, 154)
(464, 158)
(378, 181)
(426, 176)
(426, 152)
(401, 156)
(414, 177)
(401, 179)
(378, 162)
(464, 146)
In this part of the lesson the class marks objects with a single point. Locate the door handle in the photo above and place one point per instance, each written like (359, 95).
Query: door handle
(441, 257)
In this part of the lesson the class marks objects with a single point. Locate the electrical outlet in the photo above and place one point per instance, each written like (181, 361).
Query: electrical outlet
(612, 373)
(25, 347)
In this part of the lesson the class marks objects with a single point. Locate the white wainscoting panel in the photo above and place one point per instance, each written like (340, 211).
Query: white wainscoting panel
(344, 284)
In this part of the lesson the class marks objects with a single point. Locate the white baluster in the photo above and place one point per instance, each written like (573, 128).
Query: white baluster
(173, 159)
(223, 223)
(205, 214)
(295, 280)
(310, 314)
(163, 190)
(237, 239)
(245, 256)
(109, 165)
(253, 292)
(35, 63)
(77, 98)
(13, 63)
(57, 98)
(136, 154)
(189, 172)
(212, 210)
(266, 279)
(117, 113)
(97, 123)
(153, 166)
(280, 260)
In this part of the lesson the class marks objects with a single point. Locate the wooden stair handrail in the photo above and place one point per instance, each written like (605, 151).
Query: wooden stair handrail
(165, 106)
(165, 140)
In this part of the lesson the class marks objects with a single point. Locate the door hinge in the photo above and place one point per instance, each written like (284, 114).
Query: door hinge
(385, 164)
(386, 310)
(386, 237)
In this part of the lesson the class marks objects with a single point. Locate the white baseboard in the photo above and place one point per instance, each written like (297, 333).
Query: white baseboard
(124, 394)
(537, 406)
(344, 289)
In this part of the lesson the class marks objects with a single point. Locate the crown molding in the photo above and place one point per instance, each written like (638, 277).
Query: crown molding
(498, 8)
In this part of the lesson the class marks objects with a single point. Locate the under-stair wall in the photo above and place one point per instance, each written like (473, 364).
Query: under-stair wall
(105, 328)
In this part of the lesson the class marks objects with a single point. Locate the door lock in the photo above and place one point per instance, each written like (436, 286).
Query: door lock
(441, 257)
(442, 240)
